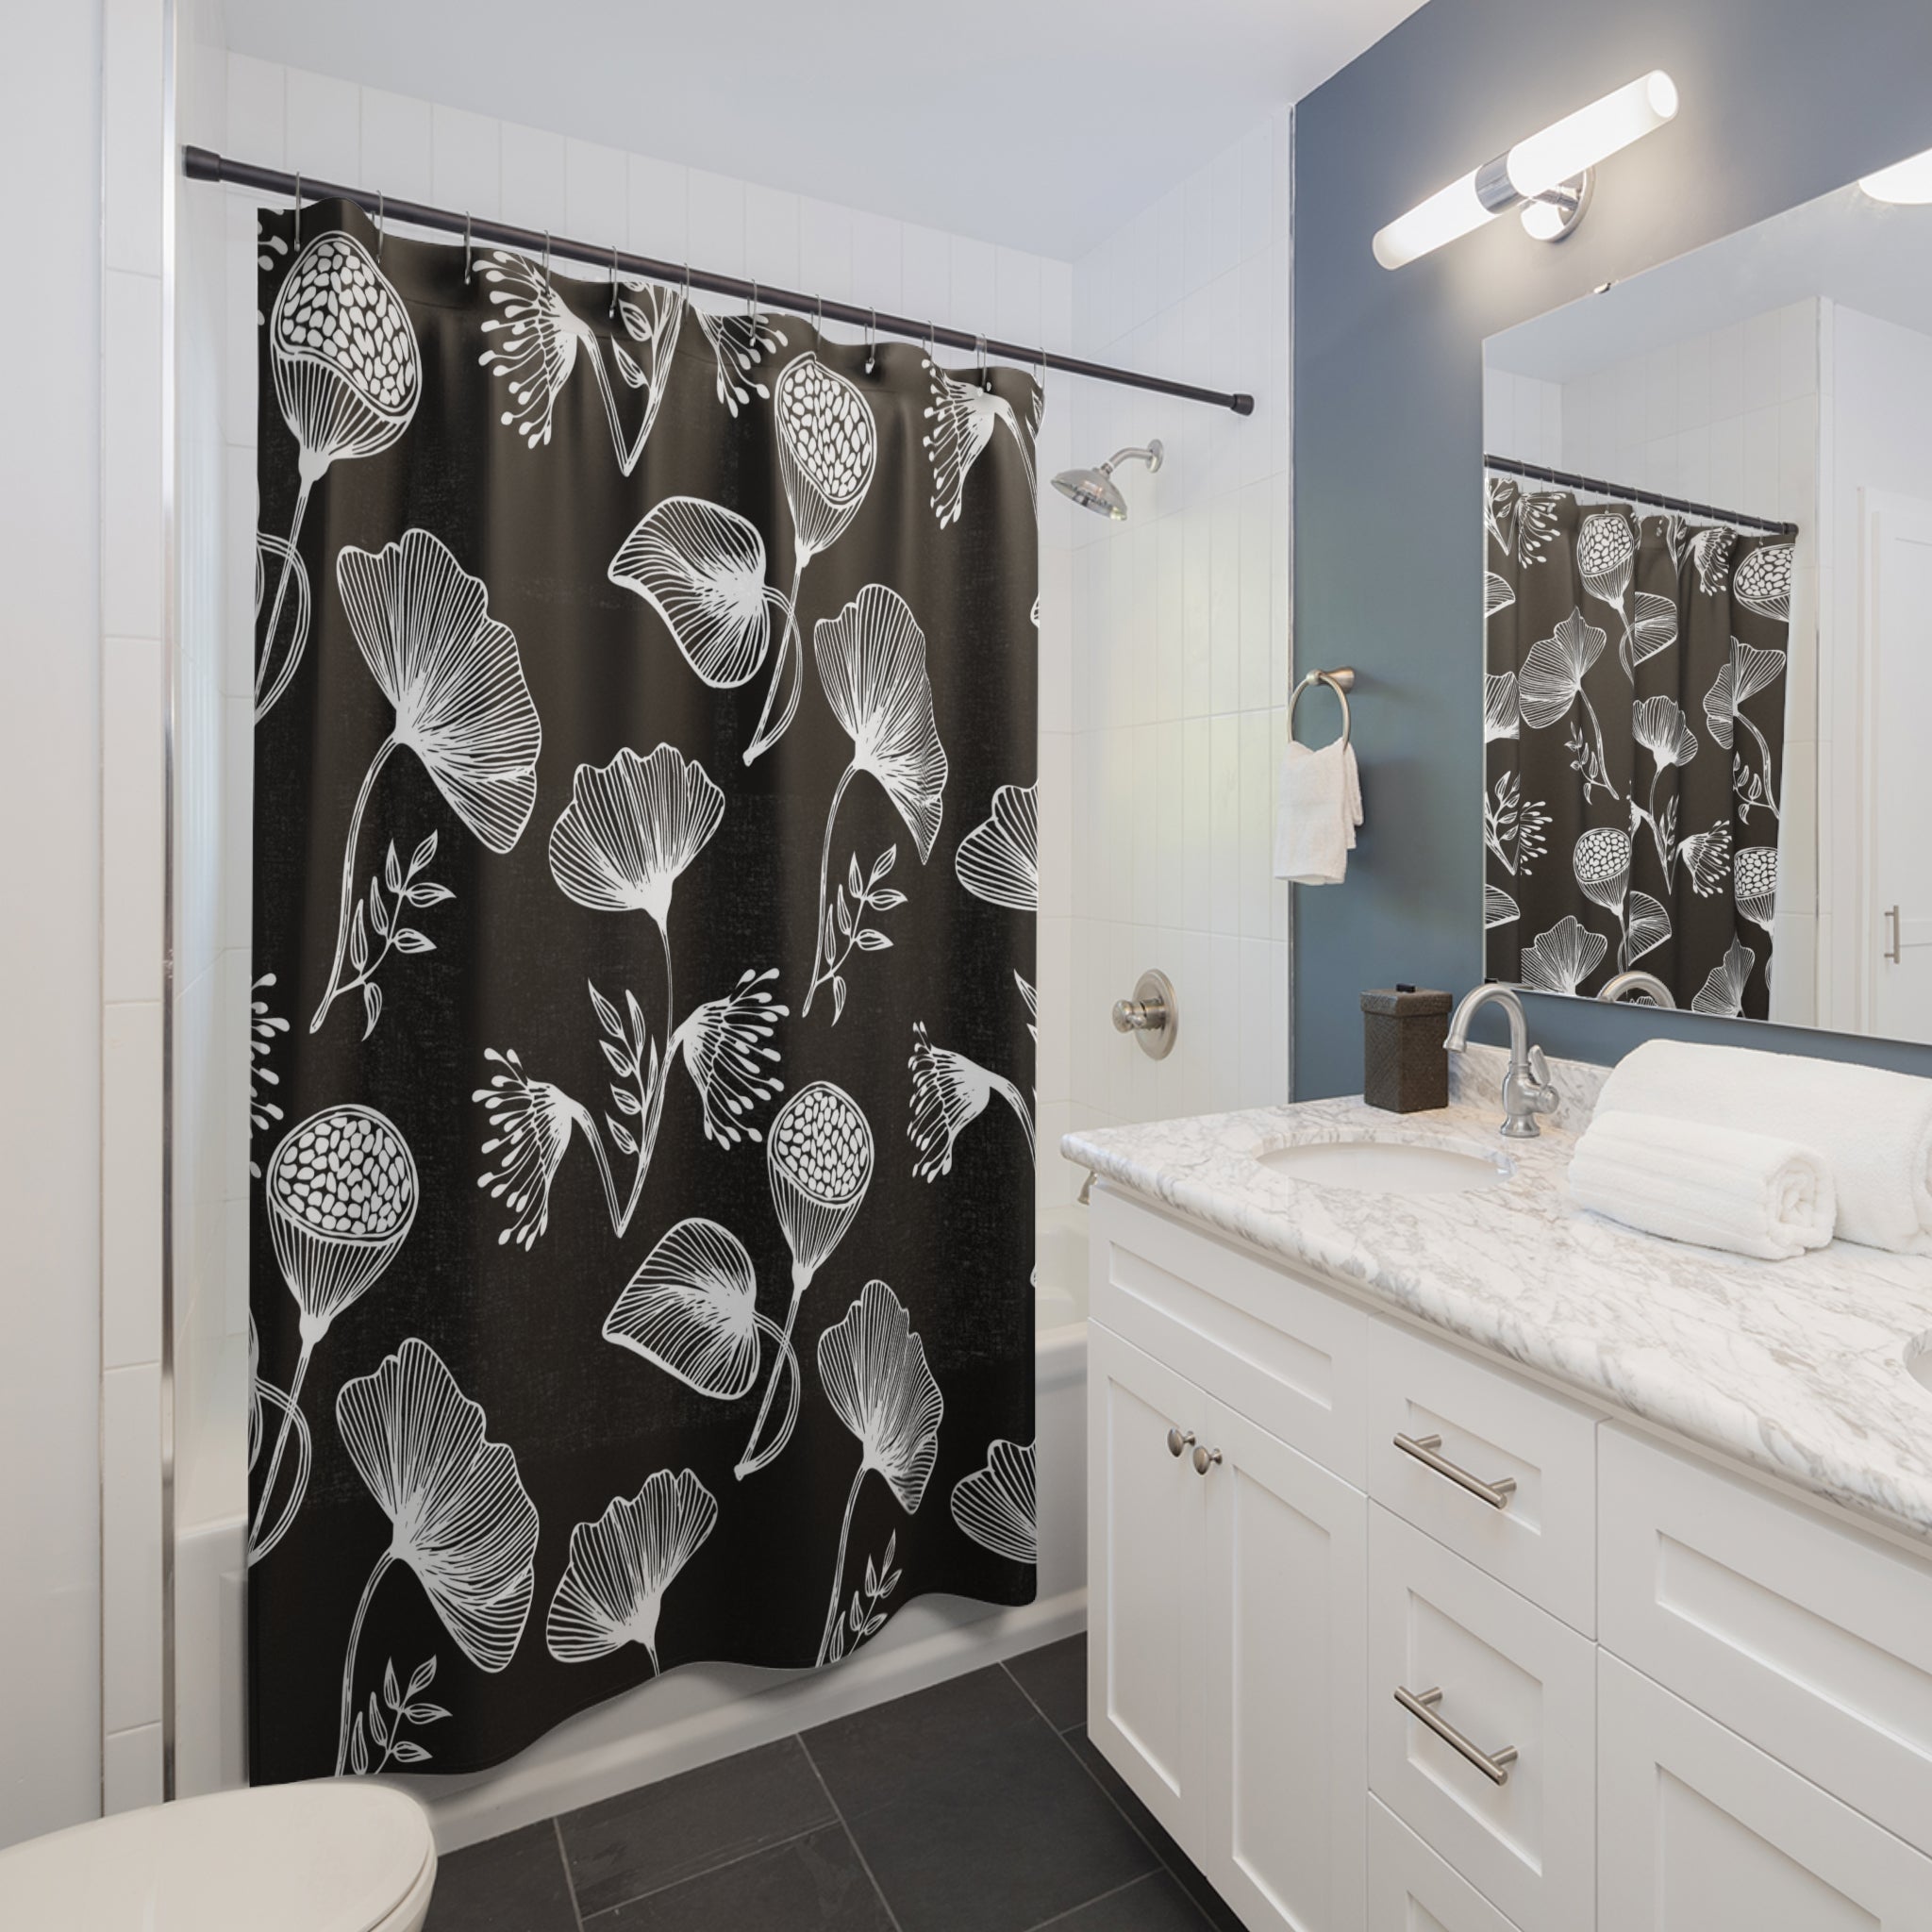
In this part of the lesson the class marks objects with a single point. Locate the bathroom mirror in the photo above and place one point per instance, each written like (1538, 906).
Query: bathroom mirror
(1707, 604)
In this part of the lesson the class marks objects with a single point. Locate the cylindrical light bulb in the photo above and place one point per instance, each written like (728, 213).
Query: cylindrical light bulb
(1906, 182)
(1447, 214)
(1580, 140)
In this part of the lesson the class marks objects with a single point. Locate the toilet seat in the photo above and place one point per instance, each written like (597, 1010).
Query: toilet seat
(330, 1857)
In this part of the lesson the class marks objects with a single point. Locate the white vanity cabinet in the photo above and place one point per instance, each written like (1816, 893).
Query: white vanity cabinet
(1666, 1698)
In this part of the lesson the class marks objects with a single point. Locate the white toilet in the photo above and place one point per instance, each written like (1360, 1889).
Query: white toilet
(331, 1856)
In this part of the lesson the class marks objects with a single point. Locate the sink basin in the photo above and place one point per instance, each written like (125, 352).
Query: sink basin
(1387, 1167)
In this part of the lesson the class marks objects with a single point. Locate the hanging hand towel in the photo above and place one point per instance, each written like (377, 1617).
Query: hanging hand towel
(1719, 1186)
(1319, 808)
(1873, 1128)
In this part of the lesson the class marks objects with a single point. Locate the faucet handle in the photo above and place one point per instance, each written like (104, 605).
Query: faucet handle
(1538, 1067)
(1543, 1097)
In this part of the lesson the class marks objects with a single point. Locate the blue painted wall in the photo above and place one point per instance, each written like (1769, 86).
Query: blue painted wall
(1781, 101)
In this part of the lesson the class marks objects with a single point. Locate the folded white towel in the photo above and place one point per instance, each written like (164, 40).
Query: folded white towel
(1873, 1128)
(1720, 1187)
(1318, 806)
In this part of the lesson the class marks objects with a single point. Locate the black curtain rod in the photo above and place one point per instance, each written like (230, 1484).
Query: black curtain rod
(1508, 466)
(204, 164)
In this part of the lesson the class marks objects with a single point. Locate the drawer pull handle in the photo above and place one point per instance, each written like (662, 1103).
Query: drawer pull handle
(1205, 1460)
(1420, 1705)
(1425, 1451)
(1177, 1443)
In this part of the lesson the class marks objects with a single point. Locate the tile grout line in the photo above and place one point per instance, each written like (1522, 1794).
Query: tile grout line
(778, 1844)
(570, 1884)
(851, 1838)
(1101, 1898)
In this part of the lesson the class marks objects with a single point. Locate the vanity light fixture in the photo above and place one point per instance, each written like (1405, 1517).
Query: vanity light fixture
(1906, 183)
(1548, 175)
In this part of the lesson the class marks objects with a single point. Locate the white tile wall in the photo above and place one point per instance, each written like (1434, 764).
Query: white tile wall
(1181, 653)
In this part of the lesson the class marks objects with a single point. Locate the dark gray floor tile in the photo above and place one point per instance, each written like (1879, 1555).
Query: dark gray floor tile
(515, 1883)
(1055, 1677)
(645, 1840)
(1153, 1903)
(973, 1813)
(815, 1884)
(1190, 1876)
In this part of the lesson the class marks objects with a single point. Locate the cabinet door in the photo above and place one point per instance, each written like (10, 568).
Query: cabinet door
(1699, 1831)
(1411, 1889)
(1287, 1590)
(1147, 1595)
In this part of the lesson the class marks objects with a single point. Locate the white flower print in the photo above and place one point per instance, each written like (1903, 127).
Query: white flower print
(819, 1160)
(995, 1506)
(1745, 673)
(1553, 669)
(454, 675)
(874, 1371)
(1501, 717)
(1722, 992)
(1762, 582)
(998, 860)
(341, 1193)
(949, 1093)
(872, 662)
(263, 1027)
(348, 377)
(460, 1515)
(1754, 877)
(1499, 908)
(964, 416)
(702, 569)
(828, 447)
(612, 1589)
(740, 343)
(1563, 957)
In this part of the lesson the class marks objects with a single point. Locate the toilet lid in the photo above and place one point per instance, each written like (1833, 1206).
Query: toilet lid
(330, 1857)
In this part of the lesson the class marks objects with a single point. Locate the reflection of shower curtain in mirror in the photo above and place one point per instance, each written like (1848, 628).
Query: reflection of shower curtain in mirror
(645, 886)
(1632, 712)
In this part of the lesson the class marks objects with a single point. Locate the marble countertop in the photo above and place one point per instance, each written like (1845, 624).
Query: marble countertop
(1795, 1367)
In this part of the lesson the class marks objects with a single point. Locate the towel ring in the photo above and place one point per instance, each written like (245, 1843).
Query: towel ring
(1341, 681)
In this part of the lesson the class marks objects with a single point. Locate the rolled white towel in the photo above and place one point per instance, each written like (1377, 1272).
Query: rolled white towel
(1872, 1127)
(1719, 1186)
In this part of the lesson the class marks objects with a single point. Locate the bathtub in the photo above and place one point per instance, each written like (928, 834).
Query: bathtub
(706, 1711)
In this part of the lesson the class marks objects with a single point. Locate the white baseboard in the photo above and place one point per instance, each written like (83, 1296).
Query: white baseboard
(705, 1712)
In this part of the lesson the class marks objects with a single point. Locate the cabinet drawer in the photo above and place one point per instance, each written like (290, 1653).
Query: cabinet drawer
(1699, 1829)
(1538, 1453)
(1813, 1642)
(1284, 1352)
(1411, 1889)
(1509, 1675)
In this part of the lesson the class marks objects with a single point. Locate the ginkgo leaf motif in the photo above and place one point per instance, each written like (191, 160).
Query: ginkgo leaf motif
(1646, 927)
(280, 660)
(1722, 992)
(1660, 727)
(1563, 957)
(1551, 684)
(995, 1506)
(949, 1093)
(1653, 628)
(612, 1591)
(1762, 582)
(874, 1371)
(702, 569)
(964, 416)
(1499, 908)
(348, 377)
(456, 679)
(1497, 595)
(872, 662)
(1746, 671)
(1501, 716)
(460, 1515)
(998, 860)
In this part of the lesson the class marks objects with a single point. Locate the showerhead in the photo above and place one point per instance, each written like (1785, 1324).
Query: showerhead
(1096, 489)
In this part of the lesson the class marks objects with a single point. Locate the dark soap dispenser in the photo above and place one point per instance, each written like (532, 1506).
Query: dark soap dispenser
(1405, 1063)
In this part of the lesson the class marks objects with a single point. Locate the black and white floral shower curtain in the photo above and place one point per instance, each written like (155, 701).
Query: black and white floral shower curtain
(645, 879)
(1634, 703)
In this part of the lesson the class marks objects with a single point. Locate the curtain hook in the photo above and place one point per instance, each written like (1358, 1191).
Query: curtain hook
(469, 263)
(381, 204)
(298, 212)
(819, 311)
(871, 343)
(984, 380)
(751, 303)
(686, 285)
(1040, 372)
(932, 351)
(613, 278)
(547, 258)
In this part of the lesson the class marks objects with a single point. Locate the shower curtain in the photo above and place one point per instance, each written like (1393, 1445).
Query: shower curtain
(645, 889)
(1633, 714)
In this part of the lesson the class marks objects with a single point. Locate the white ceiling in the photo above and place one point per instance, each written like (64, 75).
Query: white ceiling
(1864, 254)
(1039, 123)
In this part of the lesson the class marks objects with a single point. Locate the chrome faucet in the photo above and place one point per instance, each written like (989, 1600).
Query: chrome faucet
(1634, 981)
(1527, 1088)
